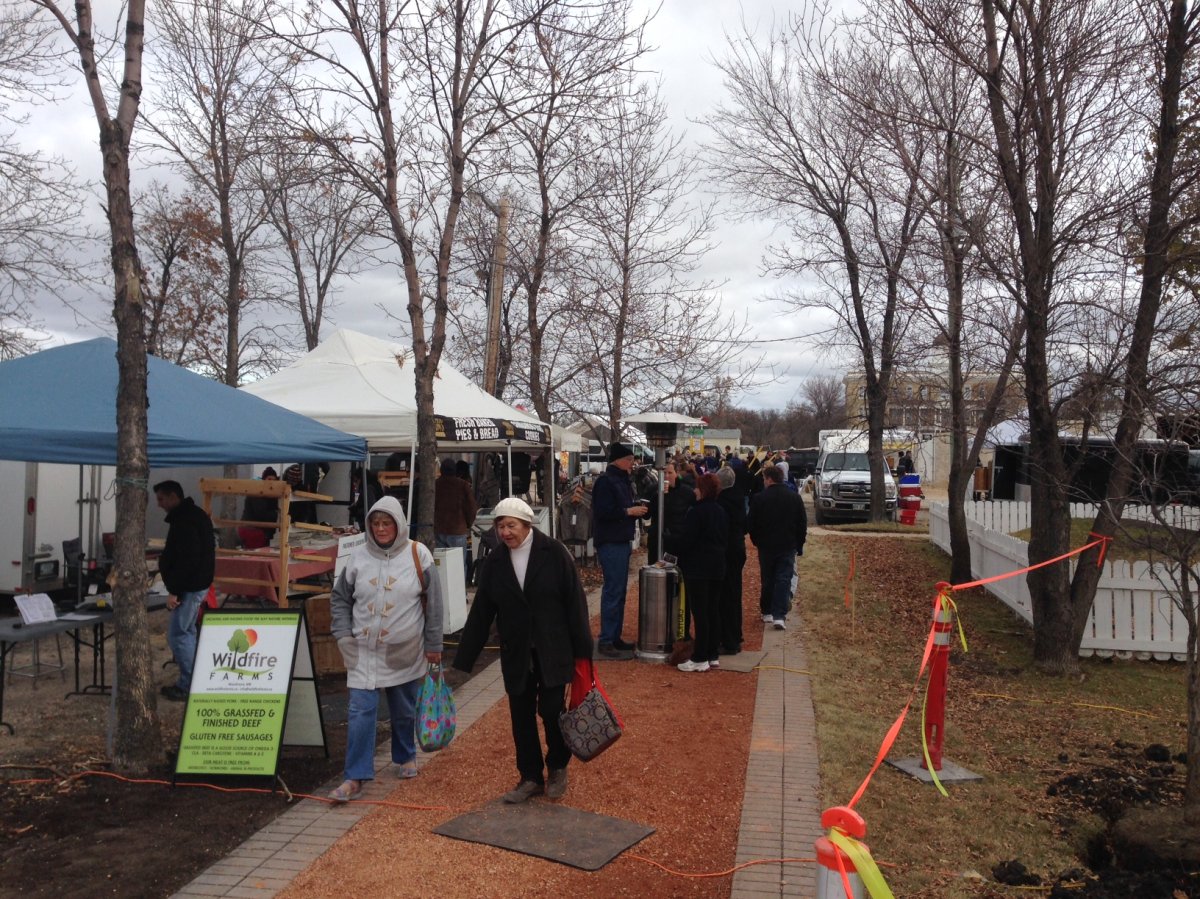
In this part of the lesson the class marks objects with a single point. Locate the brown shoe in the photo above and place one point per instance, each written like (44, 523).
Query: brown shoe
(556, 783)
(522, 791)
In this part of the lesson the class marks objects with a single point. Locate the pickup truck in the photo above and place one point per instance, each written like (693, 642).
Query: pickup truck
(842, 483)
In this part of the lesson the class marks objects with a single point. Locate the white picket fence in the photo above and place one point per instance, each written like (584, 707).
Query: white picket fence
(1133, 615)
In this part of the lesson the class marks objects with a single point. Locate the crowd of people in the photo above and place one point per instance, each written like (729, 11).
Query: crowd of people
(387, 609)
(710, 504)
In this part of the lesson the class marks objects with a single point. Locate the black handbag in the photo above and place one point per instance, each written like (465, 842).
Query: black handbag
(591, 725)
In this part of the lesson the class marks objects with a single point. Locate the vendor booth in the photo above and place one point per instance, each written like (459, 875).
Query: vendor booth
(367, 386)
(59, 406)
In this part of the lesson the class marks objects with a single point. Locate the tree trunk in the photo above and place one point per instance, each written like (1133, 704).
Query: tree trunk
(138, 741)
(1191, 788)
(960, 542)
(1157, 246)
(876, 416)
(1054, 649)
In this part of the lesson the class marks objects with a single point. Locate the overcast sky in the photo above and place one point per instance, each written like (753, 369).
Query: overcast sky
(687, 35)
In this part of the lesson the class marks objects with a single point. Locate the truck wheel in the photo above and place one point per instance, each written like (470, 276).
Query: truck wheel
(818, 516)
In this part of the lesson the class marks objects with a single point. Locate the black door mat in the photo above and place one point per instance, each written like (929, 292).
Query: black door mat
(546, 830)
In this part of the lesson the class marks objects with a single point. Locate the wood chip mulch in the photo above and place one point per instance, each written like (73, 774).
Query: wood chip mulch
(680, 767)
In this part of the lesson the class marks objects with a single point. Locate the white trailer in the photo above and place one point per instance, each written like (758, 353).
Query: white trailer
(43, 506)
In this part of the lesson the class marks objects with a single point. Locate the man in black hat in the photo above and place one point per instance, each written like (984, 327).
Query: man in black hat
(613, 514)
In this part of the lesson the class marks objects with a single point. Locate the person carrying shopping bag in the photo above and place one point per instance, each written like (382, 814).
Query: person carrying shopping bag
(387, 617)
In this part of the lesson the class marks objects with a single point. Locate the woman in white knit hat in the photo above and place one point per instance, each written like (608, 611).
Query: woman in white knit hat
(531, 588)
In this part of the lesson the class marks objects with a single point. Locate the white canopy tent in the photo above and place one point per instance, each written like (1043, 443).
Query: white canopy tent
(369, 386)
(366, 386)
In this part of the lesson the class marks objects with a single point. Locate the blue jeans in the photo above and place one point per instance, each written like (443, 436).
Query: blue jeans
(776, 572)
(449, 541)
(614, 563)
(181, 635)
(360, 728)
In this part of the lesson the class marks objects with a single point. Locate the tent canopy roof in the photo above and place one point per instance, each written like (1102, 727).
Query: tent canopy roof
(367, 386)
(60, 405)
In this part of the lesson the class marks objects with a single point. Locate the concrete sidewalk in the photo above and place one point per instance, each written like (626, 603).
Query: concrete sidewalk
(780, 805)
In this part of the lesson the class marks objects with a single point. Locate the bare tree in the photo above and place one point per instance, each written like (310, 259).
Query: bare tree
(584, 59)
(323, 223)
(793, 142)
(651, 340)
(1172, 34)
(184, 314)
(408, 99)
(39, 197)
(825, 397)
(1061, 80)
(138, 741)
(963, 282)
(217, 93)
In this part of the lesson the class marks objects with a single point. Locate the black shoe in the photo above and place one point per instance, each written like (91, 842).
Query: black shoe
(621, 644)
(174, 694)
(730, 651)
(523, 791)
(608, 651)
(556, 783)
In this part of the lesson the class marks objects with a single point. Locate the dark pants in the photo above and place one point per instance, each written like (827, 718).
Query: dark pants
(729, 606)
(614, 563)
(523, 709)
(776, 574)
(702, 600)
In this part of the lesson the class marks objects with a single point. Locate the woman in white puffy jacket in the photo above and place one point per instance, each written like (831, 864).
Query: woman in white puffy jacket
(387, 618)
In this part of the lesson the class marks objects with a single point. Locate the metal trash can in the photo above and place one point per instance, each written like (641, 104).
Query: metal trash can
(658, 611)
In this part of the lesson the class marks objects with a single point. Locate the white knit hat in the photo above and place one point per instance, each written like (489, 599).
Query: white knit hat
(513, 508)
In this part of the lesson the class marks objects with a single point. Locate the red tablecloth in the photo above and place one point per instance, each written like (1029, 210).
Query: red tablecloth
(267, 569)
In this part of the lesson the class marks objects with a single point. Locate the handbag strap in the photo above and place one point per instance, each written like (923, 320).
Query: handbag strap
(420, 576)
(595, 684)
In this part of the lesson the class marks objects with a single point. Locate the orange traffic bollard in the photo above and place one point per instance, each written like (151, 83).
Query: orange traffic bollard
(836, 875)
(939, 667)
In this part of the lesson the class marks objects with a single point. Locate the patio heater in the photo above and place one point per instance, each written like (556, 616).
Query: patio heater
(658, 585)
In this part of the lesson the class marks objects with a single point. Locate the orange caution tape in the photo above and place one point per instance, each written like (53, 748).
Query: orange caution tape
(1104, 541)
(1001, 577)
(943, 588)
(894, 731)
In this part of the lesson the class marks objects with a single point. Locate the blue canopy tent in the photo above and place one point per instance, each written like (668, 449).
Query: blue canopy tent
(60, 405)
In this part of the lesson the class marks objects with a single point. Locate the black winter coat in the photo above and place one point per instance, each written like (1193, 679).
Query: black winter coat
(733, 501)
(676, 503)
(705, 535)
(548, 616)
(188, 561)
(778, 522)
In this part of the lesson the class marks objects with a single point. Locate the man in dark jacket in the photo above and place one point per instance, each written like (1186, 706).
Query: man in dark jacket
(529, 586)
(778, 526)
(454, 512)
(613, 514)
(729, 600)
(187, 564)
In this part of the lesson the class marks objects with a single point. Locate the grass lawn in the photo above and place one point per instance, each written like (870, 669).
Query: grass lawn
(1135, 540)
(1031, 737)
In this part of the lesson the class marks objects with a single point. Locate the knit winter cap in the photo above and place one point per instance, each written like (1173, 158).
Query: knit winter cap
(618, 451)
(511, 507)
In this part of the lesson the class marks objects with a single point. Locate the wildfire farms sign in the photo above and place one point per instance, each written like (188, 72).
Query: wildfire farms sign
(241, 682)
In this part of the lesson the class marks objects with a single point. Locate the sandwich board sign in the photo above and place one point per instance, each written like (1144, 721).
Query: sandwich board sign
(253, 691)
